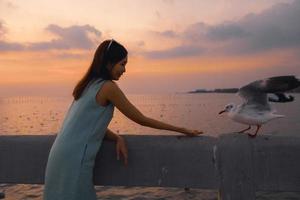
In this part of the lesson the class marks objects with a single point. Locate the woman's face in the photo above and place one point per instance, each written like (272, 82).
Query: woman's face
(118, 69)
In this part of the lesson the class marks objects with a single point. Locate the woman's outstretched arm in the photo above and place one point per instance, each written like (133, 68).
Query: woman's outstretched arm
(113, 93)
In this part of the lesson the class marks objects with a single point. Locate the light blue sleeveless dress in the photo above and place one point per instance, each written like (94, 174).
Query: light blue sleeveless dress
(69, 170)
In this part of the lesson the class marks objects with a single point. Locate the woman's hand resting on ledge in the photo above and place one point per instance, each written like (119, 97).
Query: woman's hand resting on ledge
(121, 149)
(190, 133)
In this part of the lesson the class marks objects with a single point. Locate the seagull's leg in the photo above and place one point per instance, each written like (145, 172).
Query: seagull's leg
(257, 129)
(242, 131)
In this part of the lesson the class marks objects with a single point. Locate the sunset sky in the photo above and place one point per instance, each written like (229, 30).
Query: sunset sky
(174, 45)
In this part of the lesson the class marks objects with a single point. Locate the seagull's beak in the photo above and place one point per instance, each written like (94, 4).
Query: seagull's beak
(221, 112)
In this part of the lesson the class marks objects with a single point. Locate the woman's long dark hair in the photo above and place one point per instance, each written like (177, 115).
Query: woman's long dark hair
(108, 52)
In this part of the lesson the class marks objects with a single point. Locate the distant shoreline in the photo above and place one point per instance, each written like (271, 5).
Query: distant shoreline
(229, 90)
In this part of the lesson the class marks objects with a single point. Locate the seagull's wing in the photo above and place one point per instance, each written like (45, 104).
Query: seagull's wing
(254, 96)
(281, 98)
(279, 84)
(255, 93)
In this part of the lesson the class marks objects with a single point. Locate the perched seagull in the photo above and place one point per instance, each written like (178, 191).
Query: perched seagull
(256, 110)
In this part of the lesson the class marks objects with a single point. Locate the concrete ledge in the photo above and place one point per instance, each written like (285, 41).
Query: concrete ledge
(153, 161)
(159, 161)
(235, 164)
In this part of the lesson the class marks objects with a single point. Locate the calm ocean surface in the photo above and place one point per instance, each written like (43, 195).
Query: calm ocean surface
(44, 115)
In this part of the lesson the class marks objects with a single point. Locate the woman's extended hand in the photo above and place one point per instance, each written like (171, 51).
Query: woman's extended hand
(190, 133)
(121, 148)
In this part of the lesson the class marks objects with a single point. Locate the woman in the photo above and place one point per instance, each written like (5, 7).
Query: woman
(69, 170)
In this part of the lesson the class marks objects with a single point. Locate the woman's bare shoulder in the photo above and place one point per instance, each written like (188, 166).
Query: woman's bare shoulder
(103, 95)
(110, 86)
(110, 90)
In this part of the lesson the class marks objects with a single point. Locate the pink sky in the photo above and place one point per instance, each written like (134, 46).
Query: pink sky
(174, 46)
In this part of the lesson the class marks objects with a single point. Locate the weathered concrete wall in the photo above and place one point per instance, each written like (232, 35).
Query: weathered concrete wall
(235, 164)
(246, 165)
(153, 161)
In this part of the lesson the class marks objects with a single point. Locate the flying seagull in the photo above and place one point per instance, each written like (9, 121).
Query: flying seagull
(256, 110)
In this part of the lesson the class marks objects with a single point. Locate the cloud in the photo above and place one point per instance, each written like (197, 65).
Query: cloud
(71, 56)
(7, 6)
(225, 31)
(180, 51)
(275, 28)
(157, 14)
(141, 43)
(2, 29)
(73, 37)
(10, 5)
(169, 34)
(7, 46)
(166, 34)
(169, 2)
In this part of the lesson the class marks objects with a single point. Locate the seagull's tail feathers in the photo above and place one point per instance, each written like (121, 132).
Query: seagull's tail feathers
(277, 116)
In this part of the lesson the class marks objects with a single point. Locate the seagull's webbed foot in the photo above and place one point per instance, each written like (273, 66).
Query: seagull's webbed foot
(254, 135)
(242, 131)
